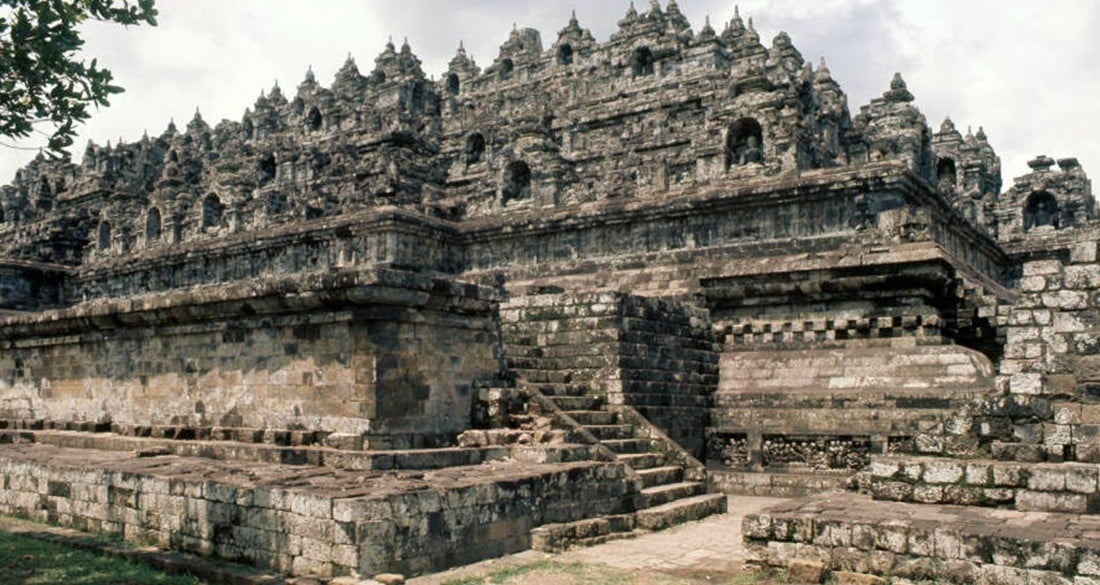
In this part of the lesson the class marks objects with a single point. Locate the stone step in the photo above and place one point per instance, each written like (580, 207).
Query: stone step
(568, 403)
(925, 542)
(550, 388)
(680, 511)
(558, 537)
(662, 494)
(661, 475)
(602, 432)
(628, 445)
(593, 417)
(641, 461)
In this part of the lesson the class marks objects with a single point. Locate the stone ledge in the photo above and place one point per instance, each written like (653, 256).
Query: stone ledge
(951, 544)
(1050, 487)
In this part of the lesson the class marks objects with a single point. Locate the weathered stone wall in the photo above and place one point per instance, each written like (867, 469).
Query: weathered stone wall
(1052, 352)
(302, 520)
(380, 354)
(669, 359)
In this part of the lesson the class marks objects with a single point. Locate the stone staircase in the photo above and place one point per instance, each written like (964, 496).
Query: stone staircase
(671, 484)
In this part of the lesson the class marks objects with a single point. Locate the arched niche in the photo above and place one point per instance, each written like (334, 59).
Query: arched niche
(1041, 210)
(744, 143)
(266, 169)
(45, 196)
(314, 120)
(454, 84)
(506, 68)
(516, 184)
(103, 236)
(946, 173)
(152, 225)
(641, 62)
(565, 54)
(475, 148)
(211, 211)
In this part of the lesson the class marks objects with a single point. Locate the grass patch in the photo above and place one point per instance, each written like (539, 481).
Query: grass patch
(29, 561)
(760, 577)
(583, 572)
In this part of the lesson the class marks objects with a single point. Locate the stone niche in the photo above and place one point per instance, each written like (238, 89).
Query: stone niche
(384, 355)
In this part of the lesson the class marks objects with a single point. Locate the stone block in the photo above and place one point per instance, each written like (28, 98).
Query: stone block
(1026, 384)
(1083, 253)
(802, 571)
(928, 494)
(1027, 500)
(943, 472)
(979, 474)
(1042, 268)
(846, 578)
(1082, 480)
(892, 536)
(1047, 479)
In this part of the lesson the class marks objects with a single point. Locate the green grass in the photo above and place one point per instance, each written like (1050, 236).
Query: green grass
(589, 573)
(29, 561)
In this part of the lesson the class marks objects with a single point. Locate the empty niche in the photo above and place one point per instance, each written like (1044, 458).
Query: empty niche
(211, 211)
(103, 239)
(744, 143)
(265, 169)
(314, 119)
(946, 176)
(641, 62)
(152, 225)
(475, 148)
(506, 68)
(565, 54)
(453, 83)
(517, 182)
(1041, 210)
(45, 196)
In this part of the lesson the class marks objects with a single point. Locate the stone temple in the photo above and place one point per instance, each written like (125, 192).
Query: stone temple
(399, 324)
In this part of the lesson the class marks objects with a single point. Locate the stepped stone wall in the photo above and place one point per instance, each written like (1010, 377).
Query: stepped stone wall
(657, 356)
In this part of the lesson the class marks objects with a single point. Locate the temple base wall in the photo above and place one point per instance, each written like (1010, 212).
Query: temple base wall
(382, 355)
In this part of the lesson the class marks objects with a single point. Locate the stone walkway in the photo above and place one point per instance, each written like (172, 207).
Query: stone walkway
(710, 546)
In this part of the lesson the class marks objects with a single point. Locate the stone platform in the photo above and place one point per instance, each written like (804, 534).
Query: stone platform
(302, 519)
(849, 533)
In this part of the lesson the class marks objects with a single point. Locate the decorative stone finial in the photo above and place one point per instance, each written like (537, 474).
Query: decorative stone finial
(1068, 164)
(898, 92)
(1041, 163)
(981, 134)
(948, 125)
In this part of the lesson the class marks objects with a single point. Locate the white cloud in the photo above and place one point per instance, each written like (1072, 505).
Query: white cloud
(1028, 73)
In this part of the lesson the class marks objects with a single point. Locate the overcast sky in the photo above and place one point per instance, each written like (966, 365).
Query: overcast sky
(1029, 72)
